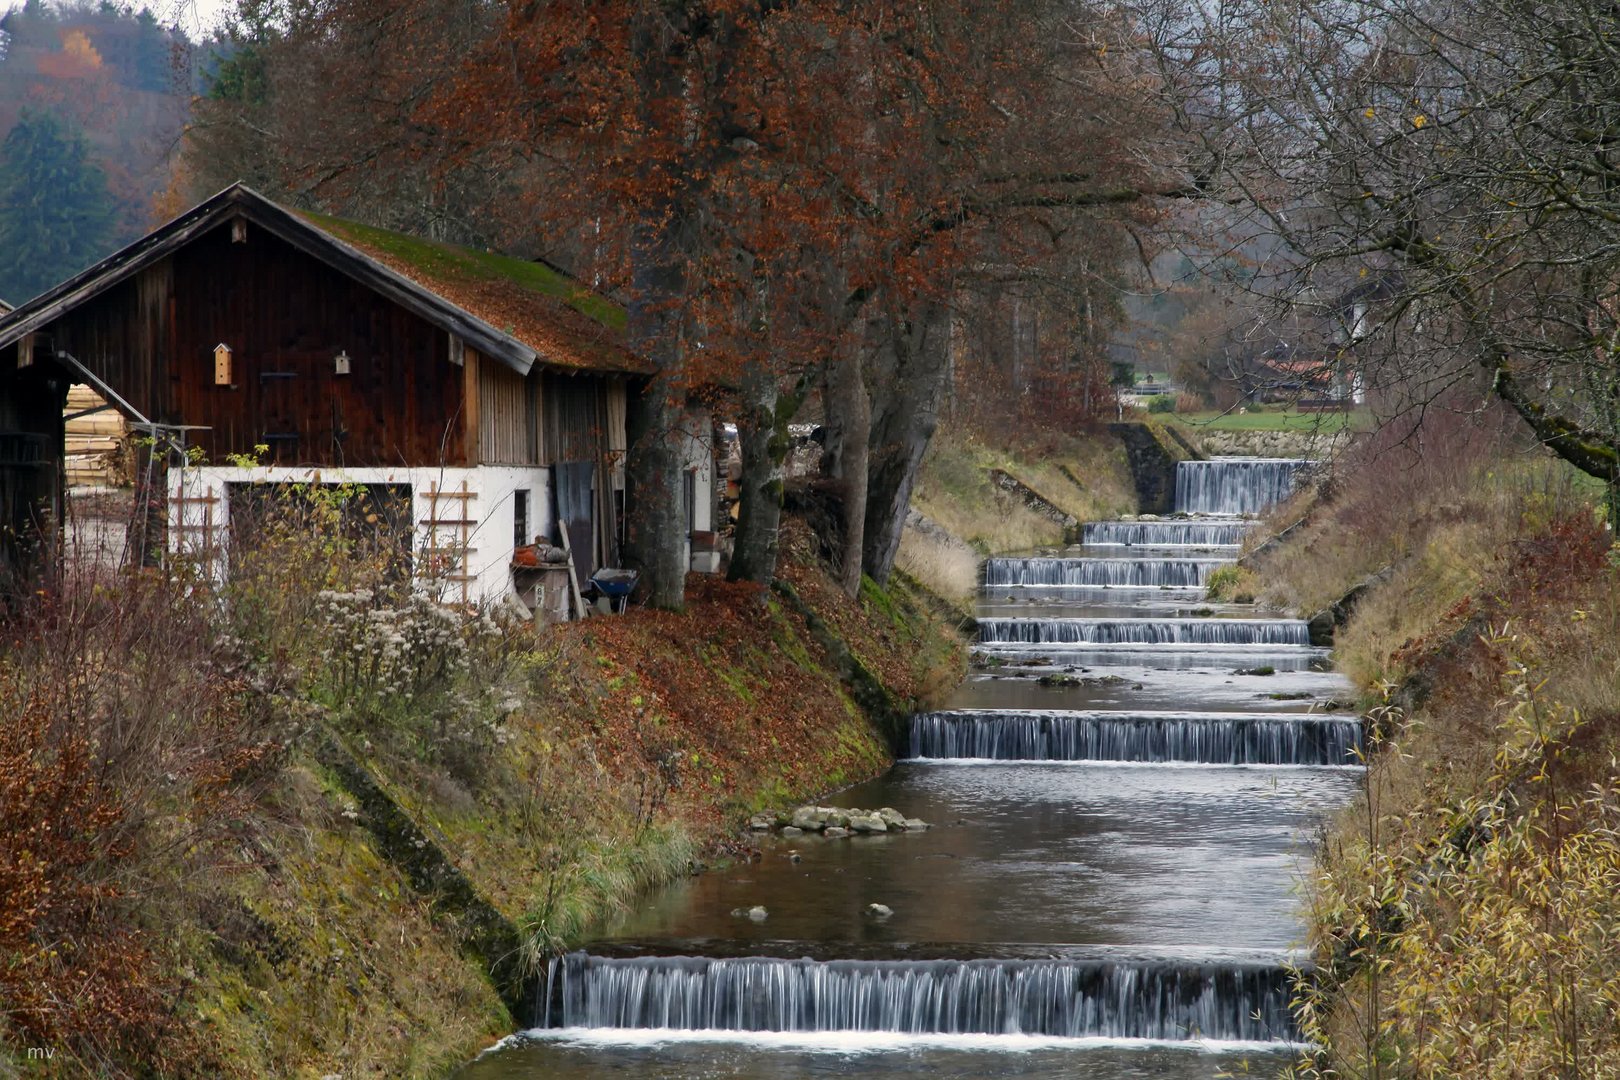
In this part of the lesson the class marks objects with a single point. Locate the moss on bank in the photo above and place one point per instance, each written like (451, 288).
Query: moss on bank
(491, 782)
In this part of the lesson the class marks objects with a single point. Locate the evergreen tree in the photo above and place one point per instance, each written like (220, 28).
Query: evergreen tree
(56, 214)
(155, 66)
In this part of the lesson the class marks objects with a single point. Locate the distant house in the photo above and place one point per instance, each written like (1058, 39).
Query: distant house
(1284, 374)
(482, 398)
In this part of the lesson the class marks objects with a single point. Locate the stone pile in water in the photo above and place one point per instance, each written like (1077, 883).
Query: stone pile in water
(835, 821)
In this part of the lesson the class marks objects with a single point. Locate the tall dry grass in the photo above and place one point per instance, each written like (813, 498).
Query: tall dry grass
(944, 566)
(1463, 909)
(1427, 502)
(1084, 475)
(155, 860)
(133, 755)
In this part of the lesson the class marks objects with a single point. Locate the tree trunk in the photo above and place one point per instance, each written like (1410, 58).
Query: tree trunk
(655, 525)
(848, 457)
(655, 517)
(764, 441)
(905, 411)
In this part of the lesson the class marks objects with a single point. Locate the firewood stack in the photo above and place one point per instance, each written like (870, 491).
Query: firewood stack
(97, 444)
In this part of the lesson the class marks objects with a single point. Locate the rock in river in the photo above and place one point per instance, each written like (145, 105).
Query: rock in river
(868, 823)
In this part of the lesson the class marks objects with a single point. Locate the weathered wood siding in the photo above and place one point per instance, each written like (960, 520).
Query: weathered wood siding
(507, 415)
(618, 443)
(286, 316)
(124, 336)
(583, 417)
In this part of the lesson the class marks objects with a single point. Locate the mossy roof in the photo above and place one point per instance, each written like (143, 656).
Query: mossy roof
(520, 313)
(564, 322)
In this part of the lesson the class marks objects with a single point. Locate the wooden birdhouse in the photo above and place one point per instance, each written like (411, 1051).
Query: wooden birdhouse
(222, 365)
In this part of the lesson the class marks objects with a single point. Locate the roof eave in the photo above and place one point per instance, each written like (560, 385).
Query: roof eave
(115, 268)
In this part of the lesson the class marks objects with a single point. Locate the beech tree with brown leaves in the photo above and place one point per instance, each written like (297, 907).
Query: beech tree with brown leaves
(790, 197)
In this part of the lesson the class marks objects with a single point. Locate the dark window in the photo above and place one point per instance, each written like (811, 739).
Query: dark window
(689, 490)
(520, 518)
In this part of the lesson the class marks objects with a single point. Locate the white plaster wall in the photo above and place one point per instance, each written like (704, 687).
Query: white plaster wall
(489, 540)
(202, 522)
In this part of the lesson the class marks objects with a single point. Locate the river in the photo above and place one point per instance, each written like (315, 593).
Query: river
(1121, 796)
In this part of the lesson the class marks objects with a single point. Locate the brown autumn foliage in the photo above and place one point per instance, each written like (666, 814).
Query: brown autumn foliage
(724, 683)
(182, 895)
(120, 77)
(1463, 908)
(779, 192)
(71, 965)
(130, 756)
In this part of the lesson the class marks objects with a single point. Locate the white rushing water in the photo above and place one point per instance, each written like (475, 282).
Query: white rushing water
(1234, 485)
(1116, 573)
(1167, 534)
(1154, 999)
(1211, 738)
(1038, 631)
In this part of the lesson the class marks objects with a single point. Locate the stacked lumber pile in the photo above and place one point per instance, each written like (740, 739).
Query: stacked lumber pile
(96, 444)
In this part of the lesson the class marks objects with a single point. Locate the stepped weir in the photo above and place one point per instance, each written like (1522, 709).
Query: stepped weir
(1210, 738)
(1234, 485)
(1121, 999)
(1042, 631)
(1119, 799)
(1117, 573)
(1197, 534)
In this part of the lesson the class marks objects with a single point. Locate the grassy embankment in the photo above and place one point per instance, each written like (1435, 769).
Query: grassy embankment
(1083, 475)
(1271, 418)
(191, 885)
(1464, 914)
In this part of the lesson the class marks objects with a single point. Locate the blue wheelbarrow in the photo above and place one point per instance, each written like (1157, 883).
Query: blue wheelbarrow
(616, 585)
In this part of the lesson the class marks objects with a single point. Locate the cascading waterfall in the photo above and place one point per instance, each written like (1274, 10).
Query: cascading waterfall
(1108, 573)
(1211, 738)
(1137, 999)
(1234, 485)
(1035, 631)
(1146, 854)
(1015, 663)
(1165, 533)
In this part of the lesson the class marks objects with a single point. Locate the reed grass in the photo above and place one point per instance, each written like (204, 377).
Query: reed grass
(950, 570)
(1085, 476)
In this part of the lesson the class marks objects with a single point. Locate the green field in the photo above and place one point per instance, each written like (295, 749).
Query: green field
(1273, 420)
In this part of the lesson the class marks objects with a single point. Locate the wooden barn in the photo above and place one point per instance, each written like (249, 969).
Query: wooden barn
(31, 497)
(482, 397)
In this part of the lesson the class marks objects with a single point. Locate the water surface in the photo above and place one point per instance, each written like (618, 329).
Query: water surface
(1045, 893)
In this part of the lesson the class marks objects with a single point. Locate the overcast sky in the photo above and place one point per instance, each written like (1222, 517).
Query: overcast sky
(196, 17)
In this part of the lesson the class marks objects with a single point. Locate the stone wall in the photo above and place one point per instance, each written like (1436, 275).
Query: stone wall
(1153, 465)
(1274, 444)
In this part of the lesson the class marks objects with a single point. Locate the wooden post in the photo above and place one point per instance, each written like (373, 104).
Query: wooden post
(573, 574)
